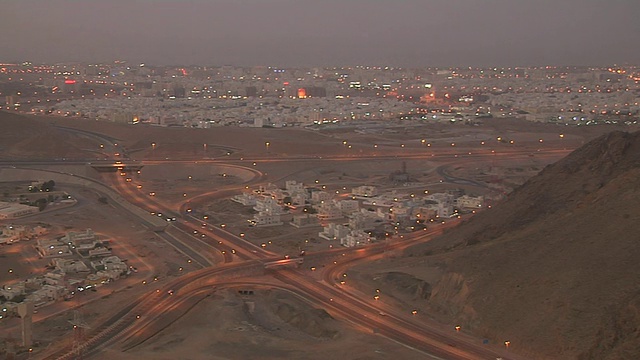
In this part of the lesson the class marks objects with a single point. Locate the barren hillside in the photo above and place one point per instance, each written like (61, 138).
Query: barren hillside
(555, 268)
(24, 138)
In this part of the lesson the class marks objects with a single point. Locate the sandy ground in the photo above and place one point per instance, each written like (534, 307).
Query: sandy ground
(220, 327)
(281, 326)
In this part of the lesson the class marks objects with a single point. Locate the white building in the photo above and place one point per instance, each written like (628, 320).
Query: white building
(77, 238)
(70, 266)
(348, 207)
(444, 203)
(292, 186)
(266, 219)
(51, 292)
(268, 206)
(355, 238)
(11, 291)
(269, 212)
(365, 220)
(245, 199)
(469, 202)
(13, 211)
(365, 191)
(52, 247)
(318, 197)
(305, 220)
(334, 232)
(328, 211)
(299, 198)
(54, 278)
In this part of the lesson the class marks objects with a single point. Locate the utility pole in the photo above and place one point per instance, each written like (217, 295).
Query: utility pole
(79, 327)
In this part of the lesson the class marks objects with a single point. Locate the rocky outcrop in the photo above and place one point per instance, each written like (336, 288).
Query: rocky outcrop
(555, 267)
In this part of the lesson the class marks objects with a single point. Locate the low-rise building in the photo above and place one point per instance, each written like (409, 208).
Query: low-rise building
(292, 186)
(266, 219)
(54, 278)
(14, 211)
(12, 291)
(268, 205)
(355, 238)
(299, 198)
(51, 292)
(269, 212)
(12, 233)
(334, 232)
(328, 211)
(70, 266)
(364, 191)
(51, 247)
(99, 251)
(365, 220)
(245, 199)
(318, 197)
(116, 264)
(469, 202)
(305, 220)
(443, 203)
(77, 238)
(348, 207)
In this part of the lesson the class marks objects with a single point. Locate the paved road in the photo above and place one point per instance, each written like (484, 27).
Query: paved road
(348, 306)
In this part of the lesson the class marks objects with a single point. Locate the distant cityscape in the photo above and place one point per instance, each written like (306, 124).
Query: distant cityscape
(265, 96)
(382, 200)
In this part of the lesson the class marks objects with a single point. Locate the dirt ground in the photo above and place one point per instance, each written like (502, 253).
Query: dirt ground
(221, 327)
(279, 326)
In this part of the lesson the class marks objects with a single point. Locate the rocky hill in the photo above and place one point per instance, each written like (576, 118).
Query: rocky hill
(554, 269)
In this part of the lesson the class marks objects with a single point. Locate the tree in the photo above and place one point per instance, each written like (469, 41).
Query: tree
(48, 185)
(41, 204)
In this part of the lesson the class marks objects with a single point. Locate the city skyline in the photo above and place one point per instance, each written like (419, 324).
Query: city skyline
(329, 33)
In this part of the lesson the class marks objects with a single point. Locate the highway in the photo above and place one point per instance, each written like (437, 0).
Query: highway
(339, 303)
(430, 154)
(226, 258)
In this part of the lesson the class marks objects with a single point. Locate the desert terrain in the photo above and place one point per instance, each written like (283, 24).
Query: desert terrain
(274, 324)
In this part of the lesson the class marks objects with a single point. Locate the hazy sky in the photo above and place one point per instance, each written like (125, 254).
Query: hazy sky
(323, 32)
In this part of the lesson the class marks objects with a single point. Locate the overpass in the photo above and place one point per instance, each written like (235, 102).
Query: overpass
(113, 166)
(284, 263)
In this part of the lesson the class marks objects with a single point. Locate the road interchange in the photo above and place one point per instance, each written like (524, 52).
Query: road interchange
(235, 254)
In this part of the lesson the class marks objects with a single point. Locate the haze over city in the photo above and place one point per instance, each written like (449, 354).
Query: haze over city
(409, 33)
(355, 179)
